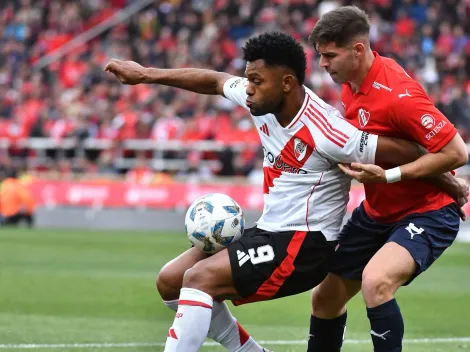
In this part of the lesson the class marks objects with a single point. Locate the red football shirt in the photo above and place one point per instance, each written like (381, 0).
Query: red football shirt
(390, 103)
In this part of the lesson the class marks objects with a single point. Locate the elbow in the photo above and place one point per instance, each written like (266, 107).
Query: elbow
(464, 159)
(460, 157)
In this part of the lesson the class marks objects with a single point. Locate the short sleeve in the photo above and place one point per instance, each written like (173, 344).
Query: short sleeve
(343, 142)
(235, 90)
(416, 116)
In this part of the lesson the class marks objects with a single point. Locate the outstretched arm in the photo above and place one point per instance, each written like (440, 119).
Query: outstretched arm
(193, 79)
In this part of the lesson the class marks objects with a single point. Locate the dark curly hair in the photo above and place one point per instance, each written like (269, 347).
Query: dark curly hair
(277, 49)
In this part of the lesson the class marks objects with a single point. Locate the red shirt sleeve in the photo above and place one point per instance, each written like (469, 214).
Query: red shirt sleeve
(416, 116)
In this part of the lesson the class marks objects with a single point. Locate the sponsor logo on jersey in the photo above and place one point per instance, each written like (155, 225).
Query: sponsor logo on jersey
(300, 149)
(427, 121)
(279, 164)
(364, 140)
(435, 130)
(364, 117)
(379, 86)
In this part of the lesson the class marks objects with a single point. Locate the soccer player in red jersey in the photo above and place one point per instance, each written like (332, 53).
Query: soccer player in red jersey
(404, 224)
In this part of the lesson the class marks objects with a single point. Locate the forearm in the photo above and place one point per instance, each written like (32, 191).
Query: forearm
(415, 161)
(193, 79)
(429, 165)
(452, 156)
(396, 151)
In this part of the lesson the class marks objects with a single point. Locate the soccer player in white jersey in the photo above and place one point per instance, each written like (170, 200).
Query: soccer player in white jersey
(305, 193)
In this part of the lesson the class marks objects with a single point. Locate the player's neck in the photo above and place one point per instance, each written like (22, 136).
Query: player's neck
(362, 71)
(291, 107)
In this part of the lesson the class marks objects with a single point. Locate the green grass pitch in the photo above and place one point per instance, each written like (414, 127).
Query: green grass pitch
(60, 288)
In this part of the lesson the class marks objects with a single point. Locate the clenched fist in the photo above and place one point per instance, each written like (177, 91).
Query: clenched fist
(128, 72)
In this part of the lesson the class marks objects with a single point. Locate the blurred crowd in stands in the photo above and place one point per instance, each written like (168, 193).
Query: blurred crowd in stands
(73, 98)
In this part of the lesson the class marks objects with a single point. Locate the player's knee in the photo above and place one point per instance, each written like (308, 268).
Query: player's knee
(326, 304)
(199, 277)
(167, 285)
(376, 288)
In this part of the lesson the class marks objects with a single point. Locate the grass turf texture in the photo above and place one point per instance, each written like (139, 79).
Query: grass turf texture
(66, 287)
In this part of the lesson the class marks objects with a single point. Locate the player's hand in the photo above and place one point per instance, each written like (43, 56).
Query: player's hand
(364, 173)
(461, 196)
(128, 72)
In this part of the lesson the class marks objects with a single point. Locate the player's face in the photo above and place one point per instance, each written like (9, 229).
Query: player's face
(340, 62)
(264, 88)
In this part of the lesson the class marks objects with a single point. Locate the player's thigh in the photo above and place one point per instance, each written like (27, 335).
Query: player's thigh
(170, 277)
(359, 240)
(389, 268)
(212, 275)
(426, 236)
(268, 265)
(329, 298)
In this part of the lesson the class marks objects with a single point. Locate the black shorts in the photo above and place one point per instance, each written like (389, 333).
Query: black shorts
(424, 235)
(267, 265)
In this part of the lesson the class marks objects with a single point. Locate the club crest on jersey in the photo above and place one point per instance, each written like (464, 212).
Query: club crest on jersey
(427, 121)
(300, 149)
(364, 117)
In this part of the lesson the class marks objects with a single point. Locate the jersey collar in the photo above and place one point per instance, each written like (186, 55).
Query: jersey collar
(372, 74)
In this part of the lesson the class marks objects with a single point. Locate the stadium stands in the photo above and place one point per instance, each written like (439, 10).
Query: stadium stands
(72, 117)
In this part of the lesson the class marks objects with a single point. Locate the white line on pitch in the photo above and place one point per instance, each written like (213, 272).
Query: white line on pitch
(262, 342)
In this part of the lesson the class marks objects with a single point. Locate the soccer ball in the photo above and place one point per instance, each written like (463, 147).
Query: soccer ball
(213, 222)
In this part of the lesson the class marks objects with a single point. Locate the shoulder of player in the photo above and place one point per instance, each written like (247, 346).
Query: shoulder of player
(328, 128)
(405, 90)
(408, 93)
(398, 78)
(391, 65)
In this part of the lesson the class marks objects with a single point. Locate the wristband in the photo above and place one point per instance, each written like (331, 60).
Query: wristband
(393, 175)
